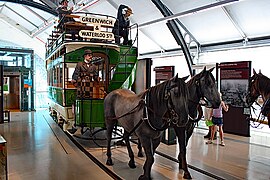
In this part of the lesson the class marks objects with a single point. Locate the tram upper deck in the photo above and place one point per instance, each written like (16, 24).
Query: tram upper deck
(87, 28)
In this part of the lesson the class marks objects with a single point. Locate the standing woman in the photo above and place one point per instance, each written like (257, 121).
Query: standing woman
(217, 118)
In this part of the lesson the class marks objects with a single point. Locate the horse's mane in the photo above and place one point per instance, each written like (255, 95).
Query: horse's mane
(160, 89)
(199, 75)
(264, 82)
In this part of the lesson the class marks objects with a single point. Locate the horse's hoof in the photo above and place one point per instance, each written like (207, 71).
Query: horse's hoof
(140, 154)
(132, 165)
(143, 177)
(109, 162)
(187, 175)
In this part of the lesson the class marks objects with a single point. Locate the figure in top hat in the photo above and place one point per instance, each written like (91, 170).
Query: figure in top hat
(121, 25)
(63, 10)
(85, 68)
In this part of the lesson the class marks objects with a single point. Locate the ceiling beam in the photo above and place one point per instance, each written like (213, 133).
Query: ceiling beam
(175, 31)
(189, 12)
(212, 47)
(35, 5)
(33, 12)
(50, 4)
(13, 23)
(234, 22)
(184, 27)
(30, 22)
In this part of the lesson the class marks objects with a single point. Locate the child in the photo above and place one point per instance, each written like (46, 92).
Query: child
(217, 119)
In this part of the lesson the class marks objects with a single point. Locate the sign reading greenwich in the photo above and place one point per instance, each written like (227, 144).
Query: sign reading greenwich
(97, 21)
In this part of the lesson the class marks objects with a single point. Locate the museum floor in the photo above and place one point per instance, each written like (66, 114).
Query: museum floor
(38, 149)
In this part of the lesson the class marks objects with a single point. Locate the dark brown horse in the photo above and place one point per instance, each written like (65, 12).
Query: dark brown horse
(259, 84)
(200, 86)
(146, 114)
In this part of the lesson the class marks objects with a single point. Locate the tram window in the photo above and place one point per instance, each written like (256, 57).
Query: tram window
(69, 69)
(60, 75)
(70, 72)
(54, 74)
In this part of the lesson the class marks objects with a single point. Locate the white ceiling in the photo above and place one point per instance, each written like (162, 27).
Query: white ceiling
(236, 21)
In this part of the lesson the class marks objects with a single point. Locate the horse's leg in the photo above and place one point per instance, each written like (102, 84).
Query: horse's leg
(140, 153)
(268, 119)
(110, 126)
(149, 153)
(189, 130)
(181, 134)
(131, 162)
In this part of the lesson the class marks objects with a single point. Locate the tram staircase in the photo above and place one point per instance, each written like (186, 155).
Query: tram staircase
(125, 70)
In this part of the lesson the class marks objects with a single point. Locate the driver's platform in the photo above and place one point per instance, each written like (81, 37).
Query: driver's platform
(38, 149)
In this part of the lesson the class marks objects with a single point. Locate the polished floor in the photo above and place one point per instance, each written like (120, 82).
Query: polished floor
(39, 149)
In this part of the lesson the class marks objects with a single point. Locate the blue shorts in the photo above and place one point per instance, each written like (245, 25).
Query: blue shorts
(217, 121)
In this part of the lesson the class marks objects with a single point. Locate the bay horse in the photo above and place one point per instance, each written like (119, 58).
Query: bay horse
(259, 84)
(201, 86)
(147, 115)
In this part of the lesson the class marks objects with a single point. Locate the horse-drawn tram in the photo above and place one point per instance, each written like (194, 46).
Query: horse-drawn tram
(80, 104)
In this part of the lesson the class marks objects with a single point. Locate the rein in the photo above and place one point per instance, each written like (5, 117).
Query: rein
(130, 112)
(198, 103)
(263, 112)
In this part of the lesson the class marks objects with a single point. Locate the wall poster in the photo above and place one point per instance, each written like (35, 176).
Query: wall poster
(234, 78)
(234, 82)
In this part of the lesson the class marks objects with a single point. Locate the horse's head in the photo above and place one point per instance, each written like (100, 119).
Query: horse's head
(178, 101)
(206, 87)
(253, 92)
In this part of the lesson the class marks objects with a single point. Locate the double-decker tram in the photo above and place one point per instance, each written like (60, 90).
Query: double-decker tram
(116, 65)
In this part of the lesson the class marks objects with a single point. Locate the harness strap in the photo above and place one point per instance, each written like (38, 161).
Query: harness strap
(128, 113)
(143, 119)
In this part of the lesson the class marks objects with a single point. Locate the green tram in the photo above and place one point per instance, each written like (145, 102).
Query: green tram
(64, 49)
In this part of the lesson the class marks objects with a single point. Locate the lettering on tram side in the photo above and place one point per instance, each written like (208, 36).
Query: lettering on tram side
(97, 21)
(96, 35)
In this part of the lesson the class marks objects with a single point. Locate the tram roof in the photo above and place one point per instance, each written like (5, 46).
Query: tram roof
(210, 23)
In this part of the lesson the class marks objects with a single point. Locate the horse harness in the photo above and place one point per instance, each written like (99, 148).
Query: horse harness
(170, 117)
(173, 116)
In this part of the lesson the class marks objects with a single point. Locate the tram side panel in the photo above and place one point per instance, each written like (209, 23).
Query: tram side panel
(118, 66)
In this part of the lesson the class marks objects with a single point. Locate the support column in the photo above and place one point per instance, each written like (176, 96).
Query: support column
(172, 25)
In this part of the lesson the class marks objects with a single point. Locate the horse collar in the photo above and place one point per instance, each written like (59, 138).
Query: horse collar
(174, 117)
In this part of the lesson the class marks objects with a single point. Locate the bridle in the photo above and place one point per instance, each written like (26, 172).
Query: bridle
(253, 86)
